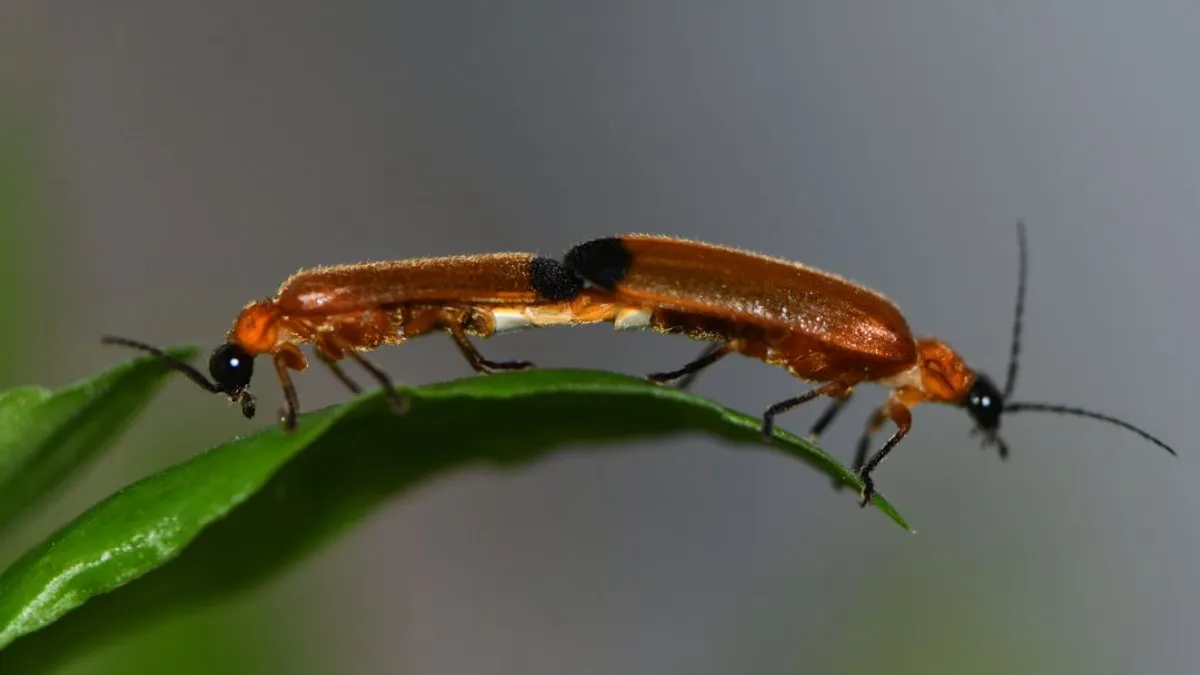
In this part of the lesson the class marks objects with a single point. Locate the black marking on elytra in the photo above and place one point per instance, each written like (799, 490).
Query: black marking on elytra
(603, 262)
(552, 281)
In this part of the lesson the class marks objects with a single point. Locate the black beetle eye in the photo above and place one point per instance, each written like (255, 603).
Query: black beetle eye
(985, 403)
(231, 368)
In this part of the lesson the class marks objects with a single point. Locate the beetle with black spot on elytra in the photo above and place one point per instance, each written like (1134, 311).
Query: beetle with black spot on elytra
(821, 327)
(347, 309)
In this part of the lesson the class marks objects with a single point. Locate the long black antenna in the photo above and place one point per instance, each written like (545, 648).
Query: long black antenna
(1011, 383)
(1022, 275)
(1068, 410)
(185, 368)
(241, 396)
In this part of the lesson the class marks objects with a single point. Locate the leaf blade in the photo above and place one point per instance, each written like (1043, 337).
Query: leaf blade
(282, 495)
(46, 436)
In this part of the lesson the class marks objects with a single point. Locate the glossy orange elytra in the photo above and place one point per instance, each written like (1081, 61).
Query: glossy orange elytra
(820, 327)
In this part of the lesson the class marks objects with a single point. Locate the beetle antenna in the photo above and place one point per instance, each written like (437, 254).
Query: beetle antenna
(1022, 274)
(175, 364)
(1080, 412)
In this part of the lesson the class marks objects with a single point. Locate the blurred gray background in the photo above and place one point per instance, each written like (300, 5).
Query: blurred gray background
(194, 156)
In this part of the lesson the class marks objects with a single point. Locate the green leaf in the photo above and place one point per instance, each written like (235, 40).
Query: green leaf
(240, 513)
(45, 436)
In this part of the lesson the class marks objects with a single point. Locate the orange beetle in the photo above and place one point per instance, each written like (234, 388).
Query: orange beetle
(819, 326)
(347, 309)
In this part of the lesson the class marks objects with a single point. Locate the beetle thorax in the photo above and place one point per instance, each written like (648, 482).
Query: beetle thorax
(945, 377)
(257, 327)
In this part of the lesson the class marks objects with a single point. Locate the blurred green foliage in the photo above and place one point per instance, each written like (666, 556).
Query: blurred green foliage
(46, 436)
(22, 224)
(33, 461)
